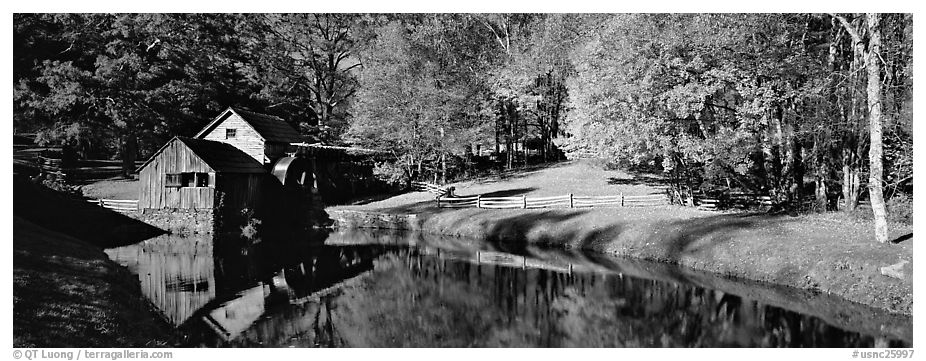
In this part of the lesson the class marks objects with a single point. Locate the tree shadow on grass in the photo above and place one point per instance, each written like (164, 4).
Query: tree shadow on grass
(637, 179)
(517, 173)
(368, 199)
(902, 238)
(668, 241)
(507, 192)
(74, 217)
(510, 234)
(704, 234)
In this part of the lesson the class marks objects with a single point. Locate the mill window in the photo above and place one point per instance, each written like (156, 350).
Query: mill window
(201, 180)
(173, 180)
(186, 179)
(230, 133)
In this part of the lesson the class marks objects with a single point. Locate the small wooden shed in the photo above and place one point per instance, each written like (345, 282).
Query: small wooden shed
(189, 173)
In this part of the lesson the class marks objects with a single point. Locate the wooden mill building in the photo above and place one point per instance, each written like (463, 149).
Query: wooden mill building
(246, 161)
(227, 163)
(189, 173)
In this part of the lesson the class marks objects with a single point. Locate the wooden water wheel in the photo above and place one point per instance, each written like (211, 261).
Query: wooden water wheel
(293, 171)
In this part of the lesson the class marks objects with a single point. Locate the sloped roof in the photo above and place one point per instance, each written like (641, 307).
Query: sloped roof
(271, 128)
(221, 157)
(328, 151)
(348, 150)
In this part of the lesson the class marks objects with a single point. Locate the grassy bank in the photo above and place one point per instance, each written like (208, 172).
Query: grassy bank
(826, 252)
(75, 217)
(115, 188)
(66, 292)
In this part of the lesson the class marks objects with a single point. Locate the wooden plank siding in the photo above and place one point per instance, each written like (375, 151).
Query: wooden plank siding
(242, 191)
(276, 150)
(177, 274)
(175, 158)
(246, 138)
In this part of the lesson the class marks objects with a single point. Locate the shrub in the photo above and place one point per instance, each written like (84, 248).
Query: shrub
(250, 230)
(390, 173)
(56, 183)
(900, 209)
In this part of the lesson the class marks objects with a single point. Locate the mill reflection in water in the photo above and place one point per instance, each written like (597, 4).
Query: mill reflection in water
(351, 293)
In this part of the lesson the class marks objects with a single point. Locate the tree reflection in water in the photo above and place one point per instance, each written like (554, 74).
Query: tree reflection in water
(399, 296)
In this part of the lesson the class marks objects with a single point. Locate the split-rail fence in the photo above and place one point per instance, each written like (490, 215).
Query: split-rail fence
(563, 201)
(118, 205)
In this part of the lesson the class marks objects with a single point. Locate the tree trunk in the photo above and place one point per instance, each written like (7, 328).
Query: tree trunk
(497, 145)
(821, 197)
(779, 154)
(543, 146)
(821, 168)
(795, 168)
(688, 183)
(510, 126)
(850, 180)
(443, 168)
(129, 153)
(553, 126)
(443, 158)
(875, 152)
(524, 140)
(419, 170)
(769, 162)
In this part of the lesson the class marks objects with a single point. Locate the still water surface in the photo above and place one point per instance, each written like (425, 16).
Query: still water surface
(363, 289)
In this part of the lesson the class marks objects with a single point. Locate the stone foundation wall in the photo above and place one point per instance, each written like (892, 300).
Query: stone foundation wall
(360, 219)
(179, 221)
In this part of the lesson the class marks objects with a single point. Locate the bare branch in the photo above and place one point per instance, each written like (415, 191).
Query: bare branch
(68, 49)
(849, 28)
(497, 37)
(351, 67)
(153, 44)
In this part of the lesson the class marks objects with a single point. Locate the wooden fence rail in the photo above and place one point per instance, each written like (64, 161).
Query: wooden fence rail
(862, 204)
(438, 191)
(733, 200)
(38, 159)
(564, 201)
(119, 205)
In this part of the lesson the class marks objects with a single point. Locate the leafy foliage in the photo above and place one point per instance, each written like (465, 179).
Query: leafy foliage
(759, 99)
(759, 102)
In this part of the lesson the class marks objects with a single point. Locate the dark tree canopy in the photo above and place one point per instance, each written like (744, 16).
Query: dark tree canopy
(772, 103)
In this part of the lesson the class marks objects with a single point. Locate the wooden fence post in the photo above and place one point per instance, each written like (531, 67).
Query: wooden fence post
(438, 201)
(571, 204)
(622, 199)
(524, 202)
(101, 203)
(479, 201)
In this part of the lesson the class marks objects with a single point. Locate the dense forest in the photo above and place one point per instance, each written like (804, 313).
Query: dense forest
(793, 105)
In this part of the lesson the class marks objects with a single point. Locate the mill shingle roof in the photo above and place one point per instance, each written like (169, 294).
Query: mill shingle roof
(221, 157)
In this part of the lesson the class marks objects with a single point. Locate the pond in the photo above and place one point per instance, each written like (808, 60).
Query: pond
(394, 289)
